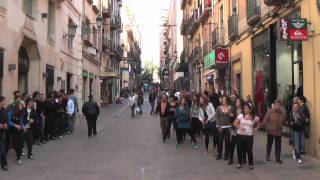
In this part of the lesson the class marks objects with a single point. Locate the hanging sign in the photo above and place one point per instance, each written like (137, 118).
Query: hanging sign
(283, 30)
(222, 56)
(298, 30)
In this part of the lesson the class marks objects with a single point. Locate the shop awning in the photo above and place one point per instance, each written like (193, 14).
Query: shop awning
(110, 75)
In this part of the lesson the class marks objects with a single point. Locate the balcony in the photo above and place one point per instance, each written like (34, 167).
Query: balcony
(218, 37)
(233, 27)
(195, 23)
(183, 4)
(116, 23)
(182, 66)
(106, 43)
(119, 51)
(274, 2)
(106, 11)
(204, 14)
(253, 12)
(197, 53)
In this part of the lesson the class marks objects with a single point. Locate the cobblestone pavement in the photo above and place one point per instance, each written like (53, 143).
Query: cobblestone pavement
(132, 149)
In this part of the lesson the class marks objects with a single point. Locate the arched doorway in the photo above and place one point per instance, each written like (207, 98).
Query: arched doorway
(23, 69)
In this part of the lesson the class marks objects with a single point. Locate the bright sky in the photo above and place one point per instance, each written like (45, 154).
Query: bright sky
(148, 15)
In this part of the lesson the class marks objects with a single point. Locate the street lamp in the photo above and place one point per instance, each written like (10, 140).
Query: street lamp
(99, 21)
(72, 28)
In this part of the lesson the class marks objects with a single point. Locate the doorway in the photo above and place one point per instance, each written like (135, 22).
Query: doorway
(69, 76)
(49, 79)
(23, 69)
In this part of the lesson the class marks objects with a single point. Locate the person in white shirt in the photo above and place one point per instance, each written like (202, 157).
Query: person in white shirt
(246, 125)
(133, 100)
(206, 116)
(70, 112)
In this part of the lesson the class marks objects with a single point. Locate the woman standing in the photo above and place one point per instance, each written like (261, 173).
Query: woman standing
(163, 111)
(246, 124)
(61, 111)
(239, 110)
(225, 116)
(17, 128)
(206, 116)
(194, 114)
(172, 119)
(30, 116)
(184, 126)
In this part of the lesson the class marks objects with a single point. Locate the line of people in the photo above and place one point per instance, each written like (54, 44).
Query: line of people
(34, 120)
(231, 123)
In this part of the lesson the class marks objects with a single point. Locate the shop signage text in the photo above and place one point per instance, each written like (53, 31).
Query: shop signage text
(222, 56)
(293, 29)
(209, 60)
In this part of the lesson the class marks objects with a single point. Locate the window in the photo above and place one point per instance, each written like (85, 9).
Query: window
(94, 34)
(27, 6)
(51, 21)
(70, 39)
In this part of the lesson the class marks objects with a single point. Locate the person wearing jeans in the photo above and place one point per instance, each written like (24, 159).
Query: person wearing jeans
(273, 123)
(225, 116)
(152, 99)
(297, 123)
(71, 114)
(206, 116)
(163, 111)
(246, 124)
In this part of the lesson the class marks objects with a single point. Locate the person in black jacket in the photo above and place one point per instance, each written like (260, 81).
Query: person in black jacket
(297, 124)
(306, 113)
(163, 109)
(91, 111)
(50, 116)
(30, 116)
(3, 129)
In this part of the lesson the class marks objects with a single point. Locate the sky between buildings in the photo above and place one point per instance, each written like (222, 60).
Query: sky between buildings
(148, 17)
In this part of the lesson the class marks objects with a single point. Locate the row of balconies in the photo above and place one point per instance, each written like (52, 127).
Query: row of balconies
(116, 24)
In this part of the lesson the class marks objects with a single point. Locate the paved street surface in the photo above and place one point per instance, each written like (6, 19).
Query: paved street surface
(132, 149)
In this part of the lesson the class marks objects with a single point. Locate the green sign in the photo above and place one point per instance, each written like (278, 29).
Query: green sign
(209, 60)
(85, 73)
(91, 75)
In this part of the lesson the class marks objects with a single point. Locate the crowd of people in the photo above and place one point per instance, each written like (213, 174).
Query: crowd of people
(35, 120)
(229, 122)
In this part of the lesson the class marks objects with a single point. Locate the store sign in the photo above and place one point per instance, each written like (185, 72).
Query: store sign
(298, 30)
(283, 29)
(209, 60)
(293, 29)
(222, 56)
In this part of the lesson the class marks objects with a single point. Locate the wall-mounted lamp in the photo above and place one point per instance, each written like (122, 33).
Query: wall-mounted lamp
(44, 75)
(12, 67)
(72, 28)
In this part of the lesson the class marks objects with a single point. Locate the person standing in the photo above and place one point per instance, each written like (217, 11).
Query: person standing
(60, 110)
(30, 116)
(306, 113)
(163, 109)
(172, 118)
(184, 125)
(194, 114)
(16, 124)
(70, 113)
(3, 129)
(91, 111)
(152, 99)
(225, 116)
(246, 124)
(140, 100)
(49, 118)
(133, 99)
(273, 123)
(297, 124)
(76, 108)
(206, 116)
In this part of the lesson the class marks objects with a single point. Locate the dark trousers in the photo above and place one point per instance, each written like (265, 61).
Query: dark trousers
(46, 130)
(17, 140)
(171, 121)
(181, 132)
(245, 146)
(3, 152)
(132, 110)
(224, 136)
(207, 133)
(152, 108)
(29, 139)
(196, 125)
(233, 145)
(277, 139)
(92, 125)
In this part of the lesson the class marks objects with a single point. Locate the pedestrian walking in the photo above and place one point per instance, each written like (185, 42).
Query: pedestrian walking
(273, 123)
(140, 101)
(3, 132)
(246, 124)
(91, 111)
(194, 114)
(70, 114)
(297, 124)
(133, 99)
(306, 113)
(172, 118)
(76, 108)
(184, 125)
(152, 99)
(225, 116)
(17, 128)
(233, 142)
(207, 117)
(163, 109)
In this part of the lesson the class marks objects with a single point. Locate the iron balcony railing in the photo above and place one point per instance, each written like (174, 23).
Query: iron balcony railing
(253, 12)
(206, 48)
(233, 27)
(218, 37)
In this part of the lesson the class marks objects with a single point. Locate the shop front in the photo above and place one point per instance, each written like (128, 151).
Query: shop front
(277, 70)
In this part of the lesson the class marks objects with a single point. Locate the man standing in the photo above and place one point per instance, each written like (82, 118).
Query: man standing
(91, 111)
(76, 106)
(70, 113)
(273, 122)
(306, 113)
(152, 99)
(3, 129)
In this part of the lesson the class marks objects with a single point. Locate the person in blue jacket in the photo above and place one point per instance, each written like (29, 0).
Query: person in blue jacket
(17, 128)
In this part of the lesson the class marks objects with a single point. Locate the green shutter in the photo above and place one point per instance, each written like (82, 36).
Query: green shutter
(27, 6)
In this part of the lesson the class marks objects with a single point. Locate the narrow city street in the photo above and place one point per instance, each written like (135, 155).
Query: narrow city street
(131, 149)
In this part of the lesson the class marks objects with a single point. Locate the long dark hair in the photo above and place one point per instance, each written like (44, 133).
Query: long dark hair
(250, 106)
(197, 101)
(16, 112)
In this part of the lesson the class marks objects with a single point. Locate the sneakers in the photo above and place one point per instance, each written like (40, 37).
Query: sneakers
(251, 167)
(178, 146)
(279, 161)
(5, 168)
(239, 166)
(30, 157)
(195, 146)
(19, 162)
(300, 161)
(60, 137)
(293, 155)
(268, 158)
